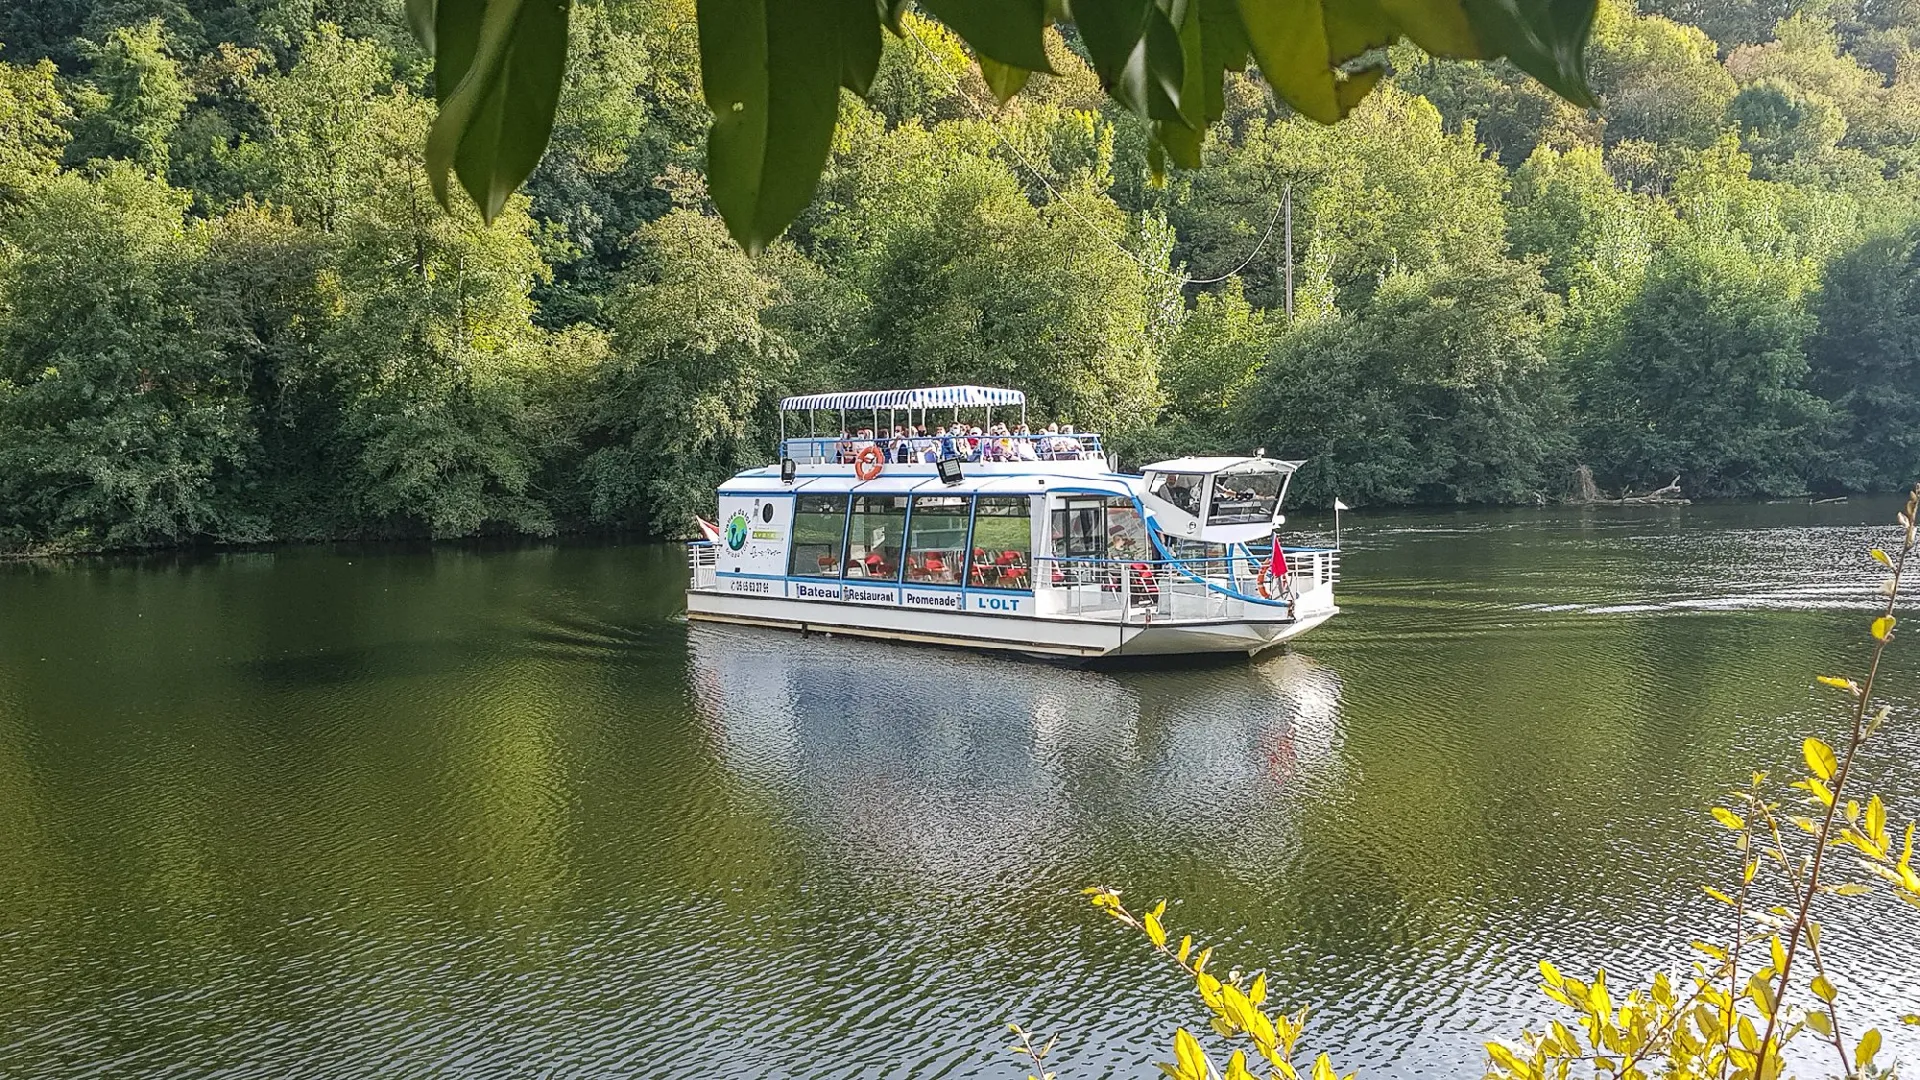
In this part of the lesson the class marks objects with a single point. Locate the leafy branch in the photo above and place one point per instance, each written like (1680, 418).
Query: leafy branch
(772, 72)
(1733, 1029)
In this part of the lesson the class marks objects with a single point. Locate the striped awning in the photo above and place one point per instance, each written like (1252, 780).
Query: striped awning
(928, 397)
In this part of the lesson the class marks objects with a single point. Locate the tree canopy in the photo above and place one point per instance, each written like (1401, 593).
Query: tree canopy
(231, 309)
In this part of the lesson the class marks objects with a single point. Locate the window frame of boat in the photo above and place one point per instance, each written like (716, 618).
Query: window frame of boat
(965, 551)
(846, 540)
(973, 539)
(839, 550)
(1244, 470)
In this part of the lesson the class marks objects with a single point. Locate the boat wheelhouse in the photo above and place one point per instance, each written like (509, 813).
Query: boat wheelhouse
(1033, 543)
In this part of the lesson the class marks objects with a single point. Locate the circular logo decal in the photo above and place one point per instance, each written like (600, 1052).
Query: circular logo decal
(736, 531)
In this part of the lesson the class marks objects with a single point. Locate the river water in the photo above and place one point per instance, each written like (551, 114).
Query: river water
(446, 812)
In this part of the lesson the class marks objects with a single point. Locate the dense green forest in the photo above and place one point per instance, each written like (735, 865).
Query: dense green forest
(231, 311)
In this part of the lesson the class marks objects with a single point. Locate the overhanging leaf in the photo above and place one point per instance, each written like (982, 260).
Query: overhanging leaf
(1004, 80)
(1289, 39)
(420, 22)
(1009, 31)
(498, 65)
(1545, 38)
(857, 24)
(1223, 48)
(771, 73)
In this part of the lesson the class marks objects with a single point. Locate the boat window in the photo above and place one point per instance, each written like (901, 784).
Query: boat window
(1079, 529)
(1126, 533)
(937, 538)
(1180, 489)
(1002, 543)
(1245, 496)
(875, 530)
(819, 529)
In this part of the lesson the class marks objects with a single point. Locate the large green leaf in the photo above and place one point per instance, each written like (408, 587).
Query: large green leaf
(1003, 79)
(498, 65)
(1547, 39)
(1010, 31)
(771, 71)
(1223, 48)
(1289, 39)
(857, 25)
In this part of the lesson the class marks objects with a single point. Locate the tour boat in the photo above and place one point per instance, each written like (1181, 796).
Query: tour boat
(1033, 543)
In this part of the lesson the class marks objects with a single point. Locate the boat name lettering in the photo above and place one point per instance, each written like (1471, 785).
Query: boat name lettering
(817, 592)
(996, 603)
(875, 596)
(933, 599)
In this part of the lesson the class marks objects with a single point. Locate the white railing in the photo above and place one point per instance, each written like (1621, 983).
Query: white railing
(1232, 588)
(702, 560)
(832, 450)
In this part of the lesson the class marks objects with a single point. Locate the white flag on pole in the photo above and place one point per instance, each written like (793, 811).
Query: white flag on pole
(1338, 505)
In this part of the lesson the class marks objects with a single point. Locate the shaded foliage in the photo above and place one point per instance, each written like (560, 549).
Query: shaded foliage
(231, 310)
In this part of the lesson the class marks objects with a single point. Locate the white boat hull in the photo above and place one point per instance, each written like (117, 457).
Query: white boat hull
(1083, 638)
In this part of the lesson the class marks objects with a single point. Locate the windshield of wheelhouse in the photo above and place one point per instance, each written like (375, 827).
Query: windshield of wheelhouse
(1245, 496)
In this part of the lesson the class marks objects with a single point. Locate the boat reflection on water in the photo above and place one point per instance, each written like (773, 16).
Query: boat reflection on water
(916, 758)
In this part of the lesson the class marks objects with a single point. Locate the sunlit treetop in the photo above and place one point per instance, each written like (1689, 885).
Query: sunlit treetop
(772, 71)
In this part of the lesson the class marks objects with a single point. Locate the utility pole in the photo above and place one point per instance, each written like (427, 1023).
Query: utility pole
(1286, 208)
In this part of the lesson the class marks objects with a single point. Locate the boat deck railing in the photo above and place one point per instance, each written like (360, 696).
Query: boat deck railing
(1229, 588)
(834, 450)
(703, 559)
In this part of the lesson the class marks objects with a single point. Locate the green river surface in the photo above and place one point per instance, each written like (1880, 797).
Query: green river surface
(412, 812)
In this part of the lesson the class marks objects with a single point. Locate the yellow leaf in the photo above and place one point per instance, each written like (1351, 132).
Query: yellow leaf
(1820, 758)
(1189, 1059)
(1778, 952)
(1866, 1048)
(1881, 557)
(1237, 1067)
(1819, 1022)
(1720, 896)
(1155, 932)
(1257, 993)
(1823, 989)
(1728, 818)
(1186, 946)
(1838, 684)
(1882, 629)
(1550, 973)
(1323, 1068)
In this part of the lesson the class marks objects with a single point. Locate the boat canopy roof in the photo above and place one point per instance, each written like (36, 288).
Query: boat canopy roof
(1217, 464)
(926, 397)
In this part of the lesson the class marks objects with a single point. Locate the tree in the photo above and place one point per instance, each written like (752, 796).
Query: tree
(1707, 377)
(132, 100)
(1658, 80)
(33, 129)
(1438, 390)
(437, 331)
(122, 423)
(689, 396)
(1865, 356)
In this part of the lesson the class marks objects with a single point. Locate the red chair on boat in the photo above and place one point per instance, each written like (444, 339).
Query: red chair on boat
(1012, 570)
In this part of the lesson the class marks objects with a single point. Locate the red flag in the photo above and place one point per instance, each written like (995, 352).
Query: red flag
(1278, 566)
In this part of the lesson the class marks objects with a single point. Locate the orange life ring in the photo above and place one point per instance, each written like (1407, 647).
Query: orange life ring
(868, 462)
(1262, 579)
